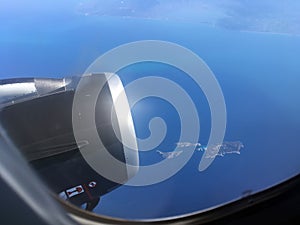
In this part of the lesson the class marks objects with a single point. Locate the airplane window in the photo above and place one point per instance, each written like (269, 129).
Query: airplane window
(147, 110)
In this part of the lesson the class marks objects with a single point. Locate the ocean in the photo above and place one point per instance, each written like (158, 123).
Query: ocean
(259, 75)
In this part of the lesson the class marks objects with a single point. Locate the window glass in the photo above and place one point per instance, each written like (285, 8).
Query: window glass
(252, 48)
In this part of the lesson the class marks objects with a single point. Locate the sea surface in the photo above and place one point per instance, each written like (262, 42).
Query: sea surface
(259, 74)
